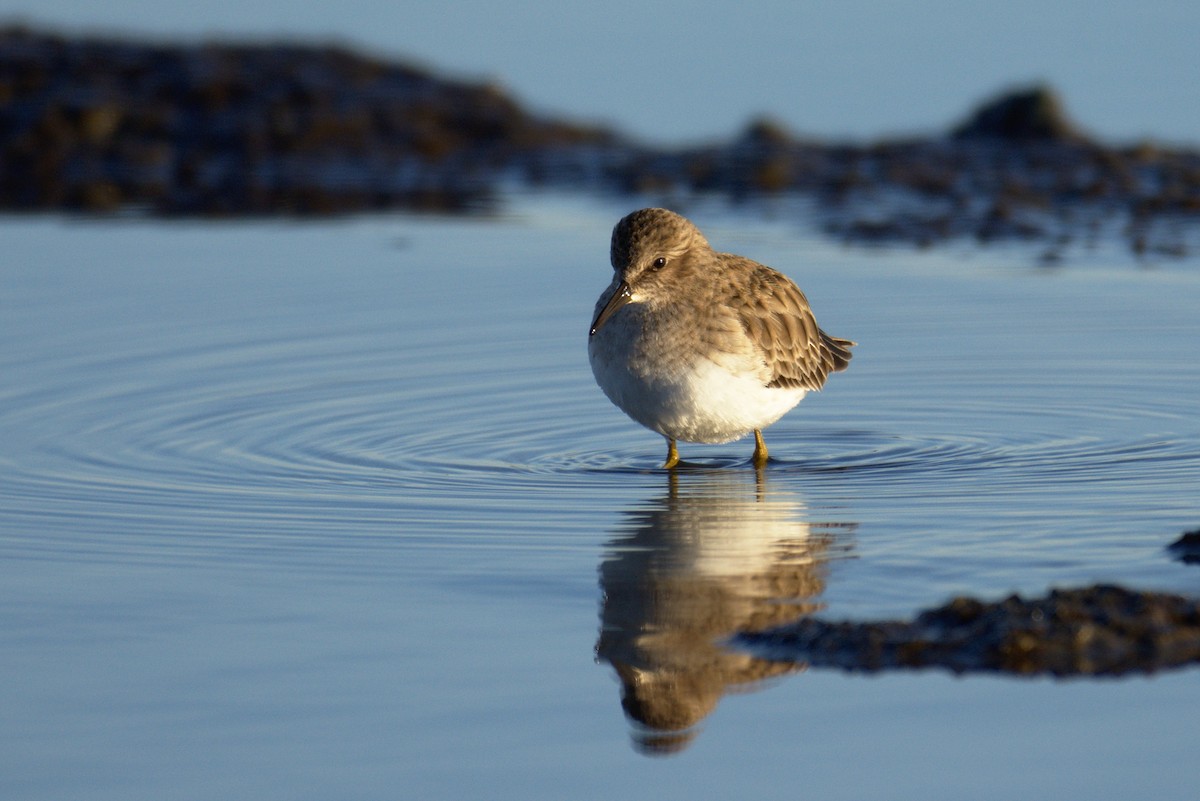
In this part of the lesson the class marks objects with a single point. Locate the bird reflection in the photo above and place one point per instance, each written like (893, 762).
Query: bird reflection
(718, 555)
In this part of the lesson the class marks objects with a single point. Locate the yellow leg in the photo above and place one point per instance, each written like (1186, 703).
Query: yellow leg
(672, 455)
(760, 450)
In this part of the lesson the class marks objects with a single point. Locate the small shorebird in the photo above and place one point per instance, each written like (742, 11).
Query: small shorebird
(703, 346)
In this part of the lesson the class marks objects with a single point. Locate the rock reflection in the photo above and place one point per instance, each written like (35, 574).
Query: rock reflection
(719, 555)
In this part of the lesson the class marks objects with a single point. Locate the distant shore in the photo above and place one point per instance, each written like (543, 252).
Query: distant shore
(106, 125)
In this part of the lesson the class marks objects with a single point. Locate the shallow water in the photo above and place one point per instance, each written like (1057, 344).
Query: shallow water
(336, 510)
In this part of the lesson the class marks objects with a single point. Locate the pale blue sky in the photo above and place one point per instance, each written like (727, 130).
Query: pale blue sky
(676, 71)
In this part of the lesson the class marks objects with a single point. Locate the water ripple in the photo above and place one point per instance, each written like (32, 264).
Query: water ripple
(349, 415)
(337, 424)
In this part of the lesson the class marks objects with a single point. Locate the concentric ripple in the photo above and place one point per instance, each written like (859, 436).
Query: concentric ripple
(225, 414)
(361, 416)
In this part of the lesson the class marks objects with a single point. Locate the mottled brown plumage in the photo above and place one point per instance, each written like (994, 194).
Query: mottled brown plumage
(780, 323)
(699, 345)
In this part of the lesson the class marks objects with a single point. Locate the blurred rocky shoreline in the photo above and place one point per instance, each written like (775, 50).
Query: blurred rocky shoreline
(104, 125)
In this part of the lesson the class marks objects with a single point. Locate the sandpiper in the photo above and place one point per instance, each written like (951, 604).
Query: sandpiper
(702, 346)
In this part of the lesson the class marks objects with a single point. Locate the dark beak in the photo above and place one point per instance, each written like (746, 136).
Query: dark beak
(619, 299)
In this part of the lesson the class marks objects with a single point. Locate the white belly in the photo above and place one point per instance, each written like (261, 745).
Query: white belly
(693, 399)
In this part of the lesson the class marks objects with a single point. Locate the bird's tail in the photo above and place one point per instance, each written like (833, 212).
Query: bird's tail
(839, 351)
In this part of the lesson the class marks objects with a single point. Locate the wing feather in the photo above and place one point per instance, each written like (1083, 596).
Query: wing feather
(781, 327)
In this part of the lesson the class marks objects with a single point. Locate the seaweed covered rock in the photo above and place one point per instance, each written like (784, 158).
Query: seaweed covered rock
(99, 124)
(1021, 115)
(1102, 630)
(1186, 549)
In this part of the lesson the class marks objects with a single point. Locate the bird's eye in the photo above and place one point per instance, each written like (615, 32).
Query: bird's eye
(659, 263)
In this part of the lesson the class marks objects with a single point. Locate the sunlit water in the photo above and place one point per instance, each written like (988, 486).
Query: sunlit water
(335, 510)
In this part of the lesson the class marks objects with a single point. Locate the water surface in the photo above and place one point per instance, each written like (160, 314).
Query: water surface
(336, 509)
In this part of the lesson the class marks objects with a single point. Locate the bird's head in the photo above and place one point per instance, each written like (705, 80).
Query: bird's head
(652, 251)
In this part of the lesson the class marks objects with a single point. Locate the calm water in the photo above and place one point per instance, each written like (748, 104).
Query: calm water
(335, 510)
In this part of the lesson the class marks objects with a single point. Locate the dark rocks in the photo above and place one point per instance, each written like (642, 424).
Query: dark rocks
(1187, 548)
(1017, 171)
(99, 125)
(102, 125)
(1022, 115)
(1101, 630)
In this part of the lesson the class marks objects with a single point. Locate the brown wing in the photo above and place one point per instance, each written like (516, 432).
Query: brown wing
(781, 325)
